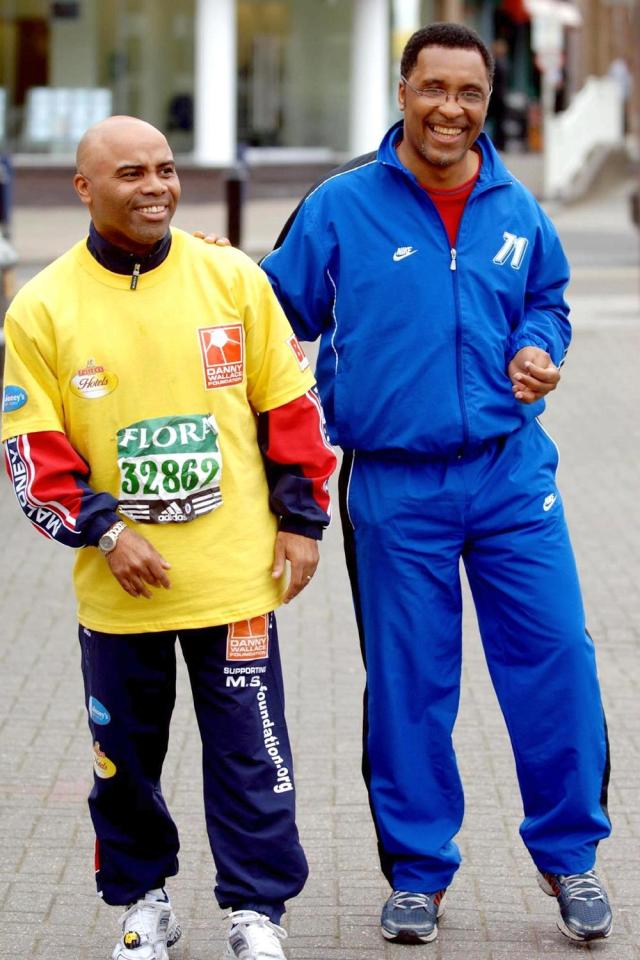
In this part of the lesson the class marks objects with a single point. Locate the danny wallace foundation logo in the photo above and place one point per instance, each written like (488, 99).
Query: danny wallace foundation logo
(93, 381)
(222, 351)
(248, 639)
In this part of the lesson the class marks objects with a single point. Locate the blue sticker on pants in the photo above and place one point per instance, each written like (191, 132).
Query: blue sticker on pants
(98, 712)
(14, 398)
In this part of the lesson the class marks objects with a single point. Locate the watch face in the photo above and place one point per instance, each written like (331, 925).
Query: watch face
(106, 542)
(109, 538)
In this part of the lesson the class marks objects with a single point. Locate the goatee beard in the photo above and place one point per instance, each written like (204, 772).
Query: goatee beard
(437, 161)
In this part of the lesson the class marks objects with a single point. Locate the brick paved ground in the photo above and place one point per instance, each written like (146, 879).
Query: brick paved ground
(495, 910)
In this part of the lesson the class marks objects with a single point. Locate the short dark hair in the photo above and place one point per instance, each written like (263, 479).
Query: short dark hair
(451, 35)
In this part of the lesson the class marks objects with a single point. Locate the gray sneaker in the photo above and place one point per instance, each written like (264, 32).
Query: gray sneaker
(412, 917)
(585, 913)
(149, 927)
(254, 937)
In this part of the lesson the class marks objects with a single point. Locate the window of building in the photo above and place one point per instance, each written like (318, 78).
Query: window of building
(65, 65)
(294, 72)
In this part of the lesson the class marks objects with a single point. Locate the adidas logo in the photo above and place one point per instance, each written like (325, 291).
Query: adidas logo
(173, 513)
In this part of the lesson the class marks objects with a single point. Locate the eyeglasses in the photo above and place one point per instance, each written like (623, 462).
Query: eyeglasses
(437, 95)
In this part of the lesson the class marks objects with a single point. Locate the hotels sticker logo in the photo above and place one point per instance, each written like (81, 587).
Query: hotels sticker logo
(222, 355)
(248, 639)
(92, 381)
(102, 766)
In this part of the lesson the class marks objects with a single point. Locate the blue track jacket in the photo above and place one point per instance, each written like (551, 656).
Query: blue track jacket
(416, 337)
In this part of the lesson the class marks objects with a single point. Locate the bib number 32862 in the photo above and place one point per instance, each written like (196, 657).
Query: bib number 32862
(170, 468)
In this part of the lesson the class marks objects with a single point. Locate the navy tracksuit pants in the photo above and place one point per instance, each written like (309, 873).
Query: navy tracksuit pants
(247, 769)
(407, 525)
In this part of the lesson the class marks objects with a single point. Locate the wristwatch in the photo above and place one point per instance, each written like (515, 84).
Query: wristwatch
(109, 538)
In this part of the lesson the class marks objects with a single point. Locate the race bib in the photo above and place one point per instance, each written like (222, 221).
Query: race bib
(170, 468)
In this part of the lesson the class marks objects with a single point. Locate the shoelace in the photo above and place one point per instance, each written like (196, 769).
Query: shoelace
(142, 917)
(407, 901)
(262, 931)
(583, 886)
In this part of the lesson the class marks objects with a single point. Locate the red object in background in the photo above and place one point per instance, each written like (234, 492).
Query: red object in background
(516, 10)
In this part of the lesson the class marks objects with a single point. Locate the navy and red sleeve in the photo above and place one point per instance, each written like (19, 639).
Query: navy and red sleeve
(298, 461)
(50, 480)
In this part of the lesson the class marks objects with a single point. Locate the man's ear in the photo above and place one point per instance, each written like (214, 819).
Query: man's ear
(401, 90)
(82, 188)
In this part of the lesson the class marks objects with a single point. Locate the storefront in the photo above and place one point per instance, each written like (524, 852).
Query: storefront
(219, 76)
(65, 63)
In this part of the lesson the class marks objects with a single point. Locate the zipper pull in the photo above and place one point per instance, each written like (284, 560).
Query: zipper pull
(135, 276)
(454, 254)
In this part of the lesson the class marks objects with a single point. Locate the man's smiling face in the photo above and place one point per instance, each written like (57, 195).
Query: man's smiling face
(437, 137)
(128, 180)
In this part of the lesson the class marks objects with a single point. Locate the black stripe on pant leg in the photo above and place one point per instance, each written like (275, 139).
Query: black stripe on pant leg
(350, 543)
(348, 533)
(606, 773)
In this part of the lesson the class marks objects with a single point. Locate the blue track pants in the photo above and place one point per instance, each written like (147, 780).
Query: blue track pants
(407, 525)
(247, 770)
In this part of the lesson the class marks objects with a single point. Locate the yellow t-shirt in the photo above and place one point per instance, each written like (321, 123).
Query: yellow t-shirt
(157, 389)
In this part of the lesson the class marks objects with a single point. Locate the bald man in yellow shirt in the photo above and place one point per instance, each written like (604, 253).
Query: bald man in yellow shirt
(160, 416)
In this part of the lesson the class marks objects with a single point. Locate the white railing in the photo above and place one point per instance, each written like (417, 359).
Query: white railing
(594, 119)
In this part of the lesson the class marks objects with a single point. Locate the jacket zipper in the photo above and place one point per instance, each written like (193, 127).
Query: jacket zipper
(135, 276)
(453, 267)
(461, 397)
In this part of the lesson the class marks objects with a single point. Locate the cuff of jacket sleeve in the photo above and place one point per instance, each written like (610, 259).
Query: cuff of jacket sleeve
(529, 340)
(306, 528)
(99, 525)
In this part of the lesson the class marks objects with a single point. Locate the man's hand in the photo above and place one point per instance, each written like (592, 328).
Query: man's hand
(134, 562)
(533, 374)
(212, 238)
(302, 553)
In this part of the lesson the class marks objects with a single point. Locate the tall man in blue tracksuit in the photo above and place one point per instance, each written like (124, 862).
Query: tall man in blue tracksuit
(435, 283)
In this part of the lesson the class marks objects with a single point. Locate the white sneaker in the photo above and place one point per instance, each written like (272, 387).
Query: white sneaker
(148, 928)
(254, 937)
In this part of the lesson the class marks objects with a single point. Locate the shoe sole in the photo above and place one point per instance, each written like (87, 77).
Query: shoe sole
(580, 938)
(409, 936)
(412, 936)
(562, 927)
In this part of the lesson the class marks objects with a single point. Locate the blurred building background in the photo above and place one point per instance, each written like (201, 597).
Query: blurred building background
(282, 81)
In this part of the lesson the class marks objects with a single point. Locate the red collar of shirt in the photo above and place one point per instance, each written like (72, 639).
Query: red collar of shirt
(450, 203)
